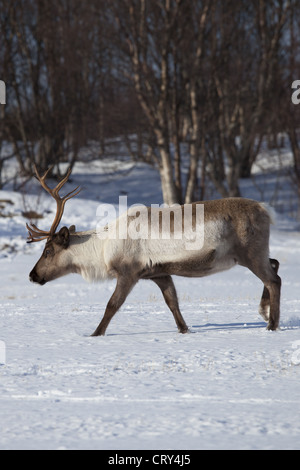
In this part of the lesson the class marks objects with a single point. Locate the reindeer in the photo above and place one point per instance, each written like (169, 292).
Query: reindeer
(236, 231)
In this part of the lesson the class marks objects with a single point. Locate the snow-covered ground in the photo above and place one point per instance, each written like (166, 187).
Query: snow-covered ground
(229, 384)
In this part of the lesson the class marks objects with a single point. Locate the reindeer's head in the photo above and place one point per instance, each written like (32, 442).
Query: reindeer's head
(53, 262)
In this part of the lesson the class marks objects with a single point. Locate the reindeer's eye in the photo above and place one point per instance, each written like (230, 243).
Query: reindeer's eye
(47, 252)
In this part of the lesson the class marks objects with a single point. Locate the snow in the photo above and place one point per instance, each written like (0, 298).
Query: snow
(229, 384)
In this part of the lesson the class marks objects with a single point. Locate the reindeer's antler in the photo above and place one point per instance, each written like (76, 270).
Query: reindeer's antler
(34, 233)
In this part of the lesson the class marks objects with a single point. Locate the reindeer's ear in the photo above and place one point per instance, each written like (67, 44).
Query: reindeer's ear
(72, 229)
(63, 237)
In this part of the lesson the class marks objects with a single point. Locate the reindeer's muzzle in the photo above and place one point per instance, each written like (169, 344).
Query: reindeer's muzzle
(33, 276)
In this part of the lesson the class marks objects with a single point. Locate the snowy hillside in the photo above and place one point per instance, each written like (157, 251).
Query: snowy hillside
(229, 384)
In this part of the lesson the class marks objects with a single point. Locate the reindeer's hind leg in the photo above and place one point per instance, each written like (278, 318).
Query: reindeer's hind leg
(267, 272)
(274, 287)
(264, 307)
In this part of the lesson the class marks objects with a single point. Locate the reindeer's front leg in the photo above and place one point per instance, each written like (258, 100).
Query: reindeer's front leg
(123, 288)
(166, 285)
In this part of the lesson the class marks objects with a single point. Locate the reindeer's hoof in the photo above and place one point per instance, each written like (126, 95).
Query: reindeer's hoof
(97, 333)
(184, 330)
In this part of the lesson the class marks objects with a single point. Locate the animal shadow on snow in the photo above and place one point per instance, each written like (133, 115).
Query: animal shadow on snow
(230, 326)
